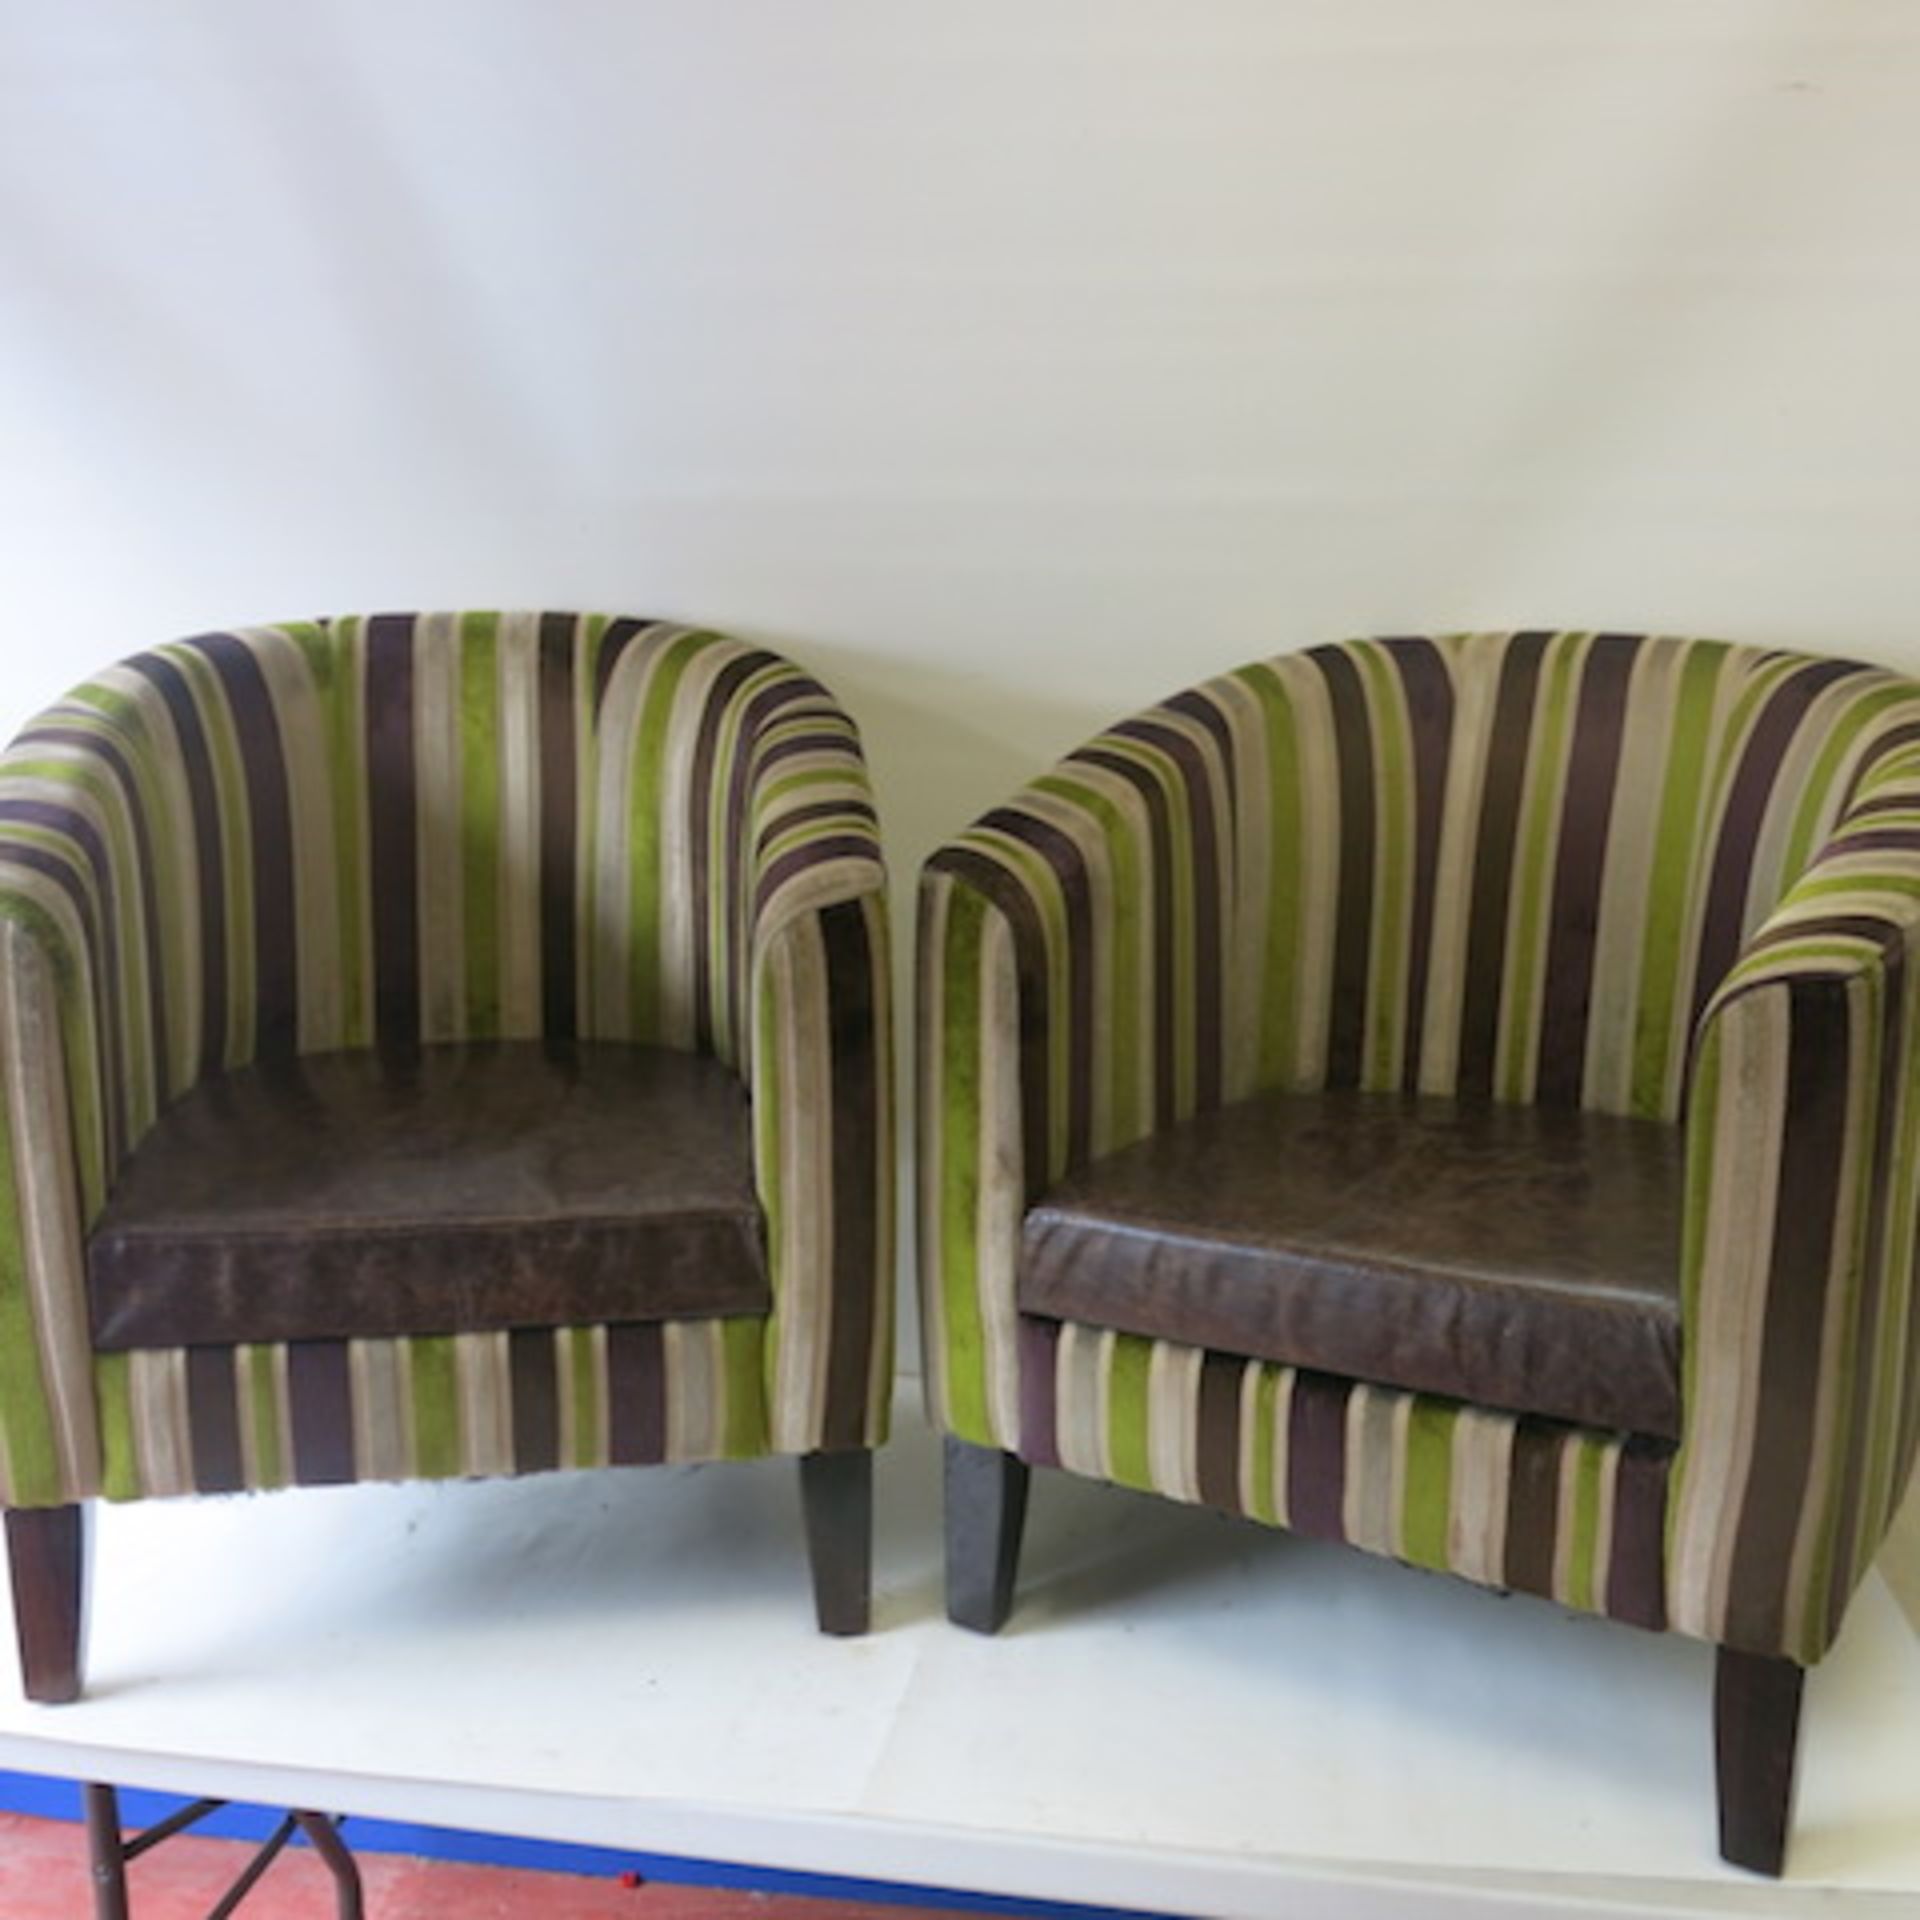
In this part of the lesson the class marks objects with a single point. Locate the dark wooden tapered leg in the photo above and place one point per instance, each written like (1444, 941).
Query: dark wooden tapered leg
(986, 1510)
(106, 1853)
(47, 1555)
(1756, 1733)
(836, 1496)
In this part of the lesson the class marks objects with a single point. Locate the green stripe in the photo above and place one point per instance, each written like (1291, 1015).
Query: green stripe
(1585, 1544)
(1534, 858)
(480, 820)
(1266, 1396)
(1427, 1509)
(435, 1402)
(113, 1397)
(254, 1365)
(1129, 1437)
(958, 989)
(1393, 863)
(745, 1433)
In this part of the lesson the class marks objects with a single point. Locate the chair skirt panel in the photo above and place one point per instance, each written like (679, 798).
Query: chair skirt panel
(1534, 1506)
(180, 1420)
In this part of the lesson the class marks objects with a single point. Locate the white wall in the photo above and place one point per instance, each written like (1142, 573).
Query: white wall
(1012, 361)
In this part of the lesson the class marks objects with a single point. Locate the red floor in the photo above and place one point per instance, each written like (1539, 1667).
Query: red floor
(43, 1876)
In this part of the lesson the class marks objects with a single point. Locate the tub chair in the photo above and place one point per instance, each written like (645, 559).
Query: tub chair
(1459, 1097)
(437, 1045)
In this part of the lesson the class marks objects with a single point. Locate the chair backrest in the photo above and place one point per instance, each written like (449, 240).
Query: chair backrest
(1516, 865)
(408, 827)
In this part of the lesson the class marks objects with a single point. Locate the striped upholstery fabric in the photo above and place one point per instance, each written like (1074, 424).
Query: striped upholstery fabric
(443, 827)
(1666, 878)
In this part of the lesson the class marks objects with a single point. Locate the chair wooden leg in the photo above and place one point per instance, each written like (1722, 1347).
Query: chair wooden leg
(1756, 1729)
(986, 1510)
(836, 1497)
(47, 1559)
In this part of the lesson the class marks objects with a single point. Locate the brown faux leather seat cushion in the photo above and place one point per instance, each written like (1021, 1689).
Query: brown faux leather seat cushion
(1514, 1257)
(467, 1188)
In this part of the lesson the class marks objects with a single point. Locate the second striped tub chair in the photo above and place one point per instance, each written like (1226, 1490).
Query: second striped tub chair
(437, 1045)
(1459, 1097)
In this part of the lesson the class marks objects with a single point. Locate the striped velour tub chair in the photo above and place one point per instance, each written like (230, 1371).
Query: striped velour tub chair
(1456, 1096)
(438, 1045)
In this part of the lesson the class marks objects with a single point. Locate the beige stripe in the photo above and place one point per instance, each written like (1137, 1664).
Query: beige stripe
(51, 1251)
(795, 973)
(1173, 1405)
(695, 1389)
(381, 1428)
(1367, 1504)
(484, 1377)
(1716, 1457)
(163, 1448)
(1482, 1481)
(1079, 1373)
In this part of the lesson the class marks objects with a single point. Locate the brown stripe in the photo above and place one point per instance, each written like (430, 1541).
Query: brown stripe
(256, 724)
(320, 1389)
(1586, 814)
(614, 642)
(391, 831)
(1317, 1456)
(1890, 742)
(1744, 814)
(855, 1120)
(535, 1386)
(1428, 690)
(558, 828)
(1039, 1390)
(1508, 746)
(1205, 994)
(213, 1417)
(208, 853)
(847, 810)
(636, 1395)
(1063, 856)
(776, 873)
(1353, 909)
(1218, 1442)
(1636, 1569)
(1533, 1506)
(1812, 1160)
(1866, 1330)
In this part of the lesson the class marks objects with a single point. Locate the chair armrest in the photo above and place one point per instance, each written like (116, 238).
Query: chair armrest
(1801, 1398)
(83, 1064)
(1072, 958)
(820, 1068)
